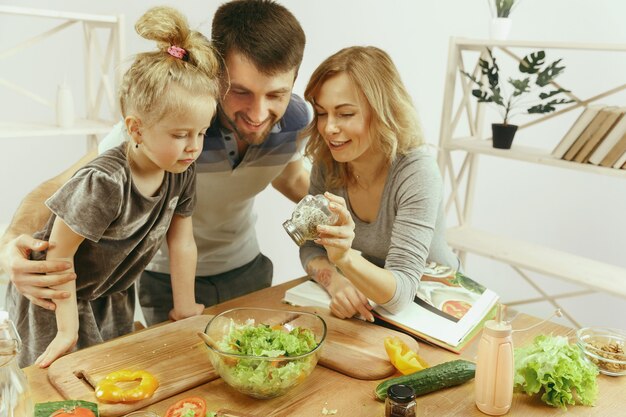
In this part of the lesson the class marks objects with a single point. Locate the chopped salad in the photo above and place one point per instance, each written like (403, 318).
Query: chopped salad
(261, 377)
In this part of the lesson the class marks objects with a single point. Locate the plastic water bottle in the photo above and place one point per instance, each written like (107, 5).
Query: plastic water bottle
(15, 397)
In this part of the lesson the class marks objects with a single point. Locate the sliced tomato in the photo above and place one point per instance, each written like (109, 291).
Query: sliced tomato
(76, 412)
(197, 404)
(456, 308)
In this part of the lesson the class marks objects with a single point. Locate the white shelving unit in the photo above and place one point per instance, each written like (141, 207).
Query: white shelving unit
(4, 278)
(462, 175)
(101, 66)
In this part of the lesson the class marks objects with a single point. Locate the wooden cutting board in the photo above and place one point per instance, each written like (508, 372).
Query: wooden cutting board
(355, 348)
(175, 355)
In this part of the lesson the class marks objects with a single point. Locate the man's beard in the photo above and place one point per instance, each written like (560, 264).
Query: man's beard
(250, 139)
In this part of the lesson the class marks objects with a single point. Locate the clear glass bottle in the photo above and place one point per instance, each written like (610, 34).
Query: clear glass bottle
(310, 212)
(15, 398)
(400, 401)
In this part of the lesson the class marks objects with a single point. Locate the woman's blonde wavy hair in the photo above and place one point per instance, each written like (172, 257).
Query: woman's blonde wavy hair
(144, 87)
(394, 128)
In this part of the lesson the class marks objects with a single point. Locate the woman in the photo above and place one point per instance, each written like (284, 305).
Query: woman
(365, 142)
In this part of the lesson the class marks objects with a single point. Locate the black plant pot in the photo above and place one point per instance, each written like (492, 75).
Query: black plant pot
(503, 135)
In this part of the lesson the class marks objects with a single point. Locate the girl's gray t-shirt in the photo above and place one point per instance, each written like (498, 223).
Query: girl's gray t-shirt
(409, 230)
(122, 229)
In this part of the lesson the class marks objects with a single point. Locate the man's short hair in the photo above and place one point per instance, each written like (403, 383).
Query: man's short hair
(264, 31)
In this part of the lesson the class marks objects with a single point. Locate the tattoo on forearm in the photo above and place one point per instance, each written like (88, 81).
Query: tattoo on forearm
(322, 276)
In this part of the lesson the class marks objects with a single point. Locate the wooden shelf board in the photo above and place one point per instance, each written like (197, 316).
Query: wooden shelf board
(466, 43)
(81, 127)
(577, 269)
(32, 12)
(529, 154)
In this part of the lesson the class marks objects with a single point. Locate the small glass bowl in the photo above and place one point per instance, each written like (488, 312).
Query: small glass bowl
(261, 376)
(605, 347)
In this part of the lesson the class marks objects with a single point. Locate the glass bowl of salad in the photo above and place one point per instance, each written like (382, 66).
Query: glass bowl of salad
(262, 352)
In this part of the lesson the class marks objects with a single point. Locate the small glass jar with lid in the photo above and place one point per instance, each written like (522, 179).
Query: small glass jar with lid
(400, 401)
(310, 212)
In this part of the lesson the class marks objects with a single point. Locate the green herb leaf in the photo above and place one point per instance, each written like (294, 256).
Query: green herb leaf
(549, 94)
(520, 86)
(504, 7)
(549, 106)
(546, 76)
(531, 63)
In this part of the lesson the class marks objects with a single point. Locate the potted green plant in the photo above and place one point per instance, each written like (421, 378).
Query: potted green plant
(501, 22)
(503, 8)
(508, 97)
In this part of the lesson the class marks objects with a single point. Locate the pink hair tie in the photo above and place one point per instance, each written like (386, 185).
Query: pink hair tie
(177, 52)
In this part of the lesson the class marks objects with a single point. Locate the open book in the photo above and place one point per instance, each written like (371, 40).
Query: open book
(448, 310)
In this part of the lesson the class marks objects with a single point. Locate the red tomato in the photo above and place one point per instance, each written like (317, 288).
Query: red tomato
(76, 412)
(197, 404)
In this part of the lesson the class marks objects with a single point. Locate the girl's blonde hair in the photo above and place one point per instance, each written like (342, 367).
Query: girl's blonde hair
(394, 128)
(144, 89)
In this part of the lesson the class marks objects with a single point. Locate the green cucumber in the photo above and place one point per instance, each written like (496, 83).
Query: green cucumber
(447, 374)
(47, 409)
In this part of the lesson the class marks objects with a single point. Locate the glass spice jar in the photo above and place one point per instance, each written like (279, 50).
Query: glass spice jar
(400, 401)
(310, 212)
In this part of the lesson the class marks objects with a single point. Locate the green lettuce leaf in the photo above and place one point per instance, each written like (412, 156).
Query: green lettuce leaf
(559, 369)
(261, 376)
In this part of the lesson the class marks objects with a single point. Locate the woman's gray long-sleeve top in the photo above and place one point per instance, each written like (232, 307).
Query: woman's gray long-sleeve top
(410, 227)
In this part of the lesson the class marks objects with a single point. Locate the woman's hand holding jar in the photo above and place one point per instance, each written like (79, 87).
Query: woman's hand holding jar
(337, 239)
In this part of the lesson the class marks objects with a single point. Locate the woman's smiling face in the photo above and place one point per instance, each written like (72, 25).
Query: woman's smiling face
(343, 118)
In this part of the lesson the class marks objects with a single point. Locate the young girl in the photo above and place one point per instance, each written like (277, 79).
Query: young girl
(113, 214)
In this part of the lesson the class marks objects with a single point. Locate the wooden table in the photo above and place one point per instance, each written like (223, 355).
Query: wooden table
(351, 397)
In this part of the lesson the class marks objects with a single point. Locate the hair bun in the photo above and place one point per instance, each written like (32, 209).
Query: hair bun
(165, 25)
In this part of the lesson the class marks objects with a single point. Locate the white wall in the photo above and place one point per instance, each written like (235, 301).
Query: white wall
(580, 213)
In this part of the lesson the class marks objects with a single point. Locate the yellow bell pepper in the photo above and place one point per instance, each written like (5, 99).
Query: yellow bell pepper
(108, 389)
(402, 358)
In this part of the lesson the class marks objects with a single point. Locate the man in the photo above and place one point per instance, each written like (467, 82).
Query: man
(252, 143)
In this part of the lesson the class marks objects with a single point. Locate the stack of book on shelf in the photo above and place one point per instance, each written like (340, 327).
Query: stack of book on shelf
(449, 309)
(597, 137)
